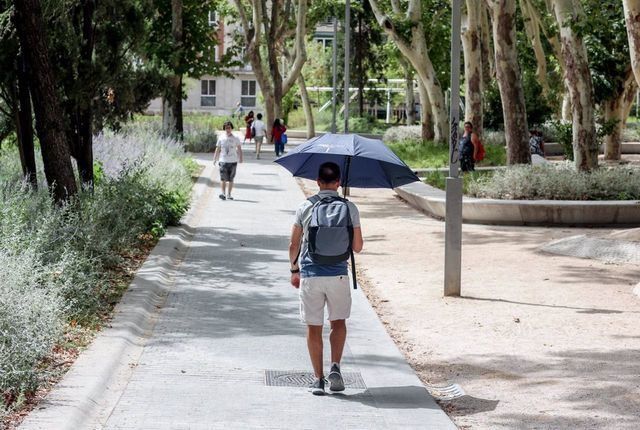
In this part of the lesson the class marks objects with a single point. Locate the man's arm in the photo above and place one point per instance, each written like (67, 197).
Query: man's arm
(358, 241)
(239, 149)
(216, 154)
(294, 251)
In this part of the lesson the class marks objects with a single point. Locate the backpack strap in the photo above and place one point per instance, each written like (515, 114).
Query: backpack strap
(353, 271)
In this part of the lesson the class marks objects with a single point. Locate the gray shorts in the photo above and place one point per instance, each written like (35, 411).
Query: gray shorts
(228, 171)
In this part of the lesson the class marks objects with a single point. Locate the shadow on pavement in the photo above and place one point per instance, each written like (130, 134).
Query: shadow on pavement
(408, 397)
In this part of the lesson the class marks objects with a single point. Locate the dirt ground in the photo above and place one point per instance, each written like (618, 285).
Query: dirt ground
(537, 341)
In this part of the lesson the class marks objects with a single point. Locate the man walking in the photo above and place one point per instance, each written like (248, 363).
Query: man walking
(229, 151)
(320, 281)
(260, 131)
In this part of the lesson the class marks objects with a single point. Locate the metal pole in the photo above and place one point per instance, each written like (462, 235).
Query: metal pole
(347, 41)
(453, 215)
(334, 94)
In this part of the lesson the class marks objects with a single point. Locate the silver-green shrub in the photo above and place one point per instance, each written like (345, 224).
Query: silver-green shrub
(403, 133)
(55, 260)
(559, 182)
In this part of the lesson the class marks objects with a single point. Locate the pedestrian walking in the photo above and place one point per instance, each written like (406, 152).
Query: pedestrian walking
(276, 136)
(319, 270)
(259, 132)
(229, 154)
(248, 120)
(470, 148)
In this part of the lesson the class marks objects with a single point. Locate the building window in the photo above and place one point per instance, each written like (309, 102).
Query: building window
(326, 42)
(208, 93)
(213, 17)
(248, 94)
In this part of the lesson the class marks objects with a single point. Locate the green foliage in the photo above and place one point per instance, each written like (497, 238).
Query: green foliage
(430, 155)
(563, 132)
(57, 260)
(438, 179)
(563, 182)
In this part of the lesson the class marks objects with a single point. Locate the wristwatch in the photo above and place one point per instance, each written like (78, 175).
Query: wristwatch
(295, 270)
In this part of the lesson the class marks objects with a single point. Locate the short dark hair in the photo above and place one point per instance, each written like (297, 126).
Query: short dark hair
(227, 123)
(259, 116)
(329, 172)
(469, 124)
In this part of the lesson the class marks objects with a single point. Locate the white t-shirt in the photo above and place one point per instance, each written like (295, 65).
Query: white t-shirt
(229, 146)
(259, 127)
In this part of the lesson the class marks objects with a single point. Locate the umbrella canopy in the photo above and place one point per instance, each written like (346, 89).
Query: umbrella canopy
(364, 162)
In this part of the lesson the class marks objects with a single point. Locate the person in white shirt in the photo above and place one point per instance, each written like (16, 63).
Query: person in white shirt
(229, 152)
(260, 131)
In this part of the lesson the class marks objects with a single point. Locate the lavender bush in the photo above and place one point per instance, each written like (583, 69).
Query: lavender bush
(56, 260)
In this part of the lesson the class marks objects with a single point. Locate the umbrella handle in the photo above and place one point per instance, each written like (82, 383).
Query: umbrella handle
(345, 186)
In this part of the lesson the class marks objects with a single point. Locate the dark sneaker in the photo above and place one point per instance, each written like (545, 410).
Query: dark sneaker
(222, 197)
(317, 388)
(336, 383)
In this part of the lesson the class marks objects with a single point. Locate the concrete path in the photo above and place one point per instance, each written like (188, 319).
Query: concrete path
(226, 336)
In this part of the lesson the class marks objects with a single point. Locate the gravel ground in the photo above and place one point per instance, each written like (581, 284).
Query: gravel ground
(538, 341)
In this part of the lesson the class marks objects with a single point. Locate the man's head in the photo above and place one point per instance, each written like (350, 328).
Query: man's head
(259, 116)
(329, 176)
(227, 126)
(468, 126)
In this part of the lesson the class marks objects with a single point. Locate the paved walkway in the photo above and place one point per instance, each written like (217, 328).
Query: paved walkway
(225, 326)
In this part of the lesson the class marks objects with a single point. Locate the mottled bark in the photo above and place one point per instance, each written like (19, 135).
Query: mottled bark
(510, 81)
(410, 99)
(472, 47)
(486, 47)
(425, 113)
(577, 78)
(617, 109)
(306, 105)
(267, 26)
(532, 26)
(632, 21)
(50, 128)
(416, 52)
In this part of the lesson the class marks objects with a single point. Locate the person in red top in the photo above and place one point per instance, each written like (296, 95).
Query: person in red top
(249, 121)
(276, 136)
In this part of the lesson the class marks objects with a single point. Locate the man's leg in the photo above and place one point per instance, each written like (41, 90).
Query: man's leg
(337, 338)
(314, 343)
(223, 188)
(230, 189)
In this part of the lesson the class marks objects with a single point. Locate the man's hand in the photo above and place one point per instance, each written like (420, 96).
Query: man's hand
(295, 280)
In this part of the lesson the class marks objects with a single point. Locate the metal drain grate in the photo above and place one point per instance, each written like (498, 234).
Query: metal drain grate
(292, 378)
(446, 392)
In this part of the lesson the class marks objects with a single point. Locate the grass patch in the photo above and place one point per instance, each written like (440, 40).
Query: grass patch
(430, 155)
(438, 179)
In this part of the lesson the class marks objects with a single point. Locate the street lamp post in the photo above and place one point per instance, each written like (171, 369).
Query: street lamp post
(347, 42)
(334, 98)
(453, 215)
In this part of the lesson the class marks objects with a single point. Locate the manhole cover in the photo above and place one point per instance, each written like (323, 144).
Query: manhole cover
(292, 378)
(445, 392)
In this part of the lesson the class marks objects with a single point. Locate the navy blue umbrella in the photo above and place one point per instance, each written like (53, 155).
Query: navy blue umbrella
(364, 162)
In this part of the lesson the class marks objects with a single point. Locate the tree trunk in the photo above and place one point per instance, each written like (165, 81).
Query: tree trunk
(416, 52)
(55, 150)
(24, 125)
(566, 105)
(172, 121)
(577, 77)
(510, 82)
(84, 152)
(471, 44)
(410, 99)
(425, 113)
(632, 20)
(486, 48)
(306, 105)
(532, 29)
(617, 109)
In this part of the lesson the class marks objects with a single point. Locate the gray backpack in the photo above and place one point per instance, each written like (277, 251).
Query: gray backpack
(330, 232)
